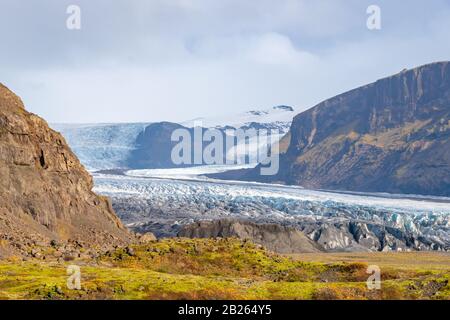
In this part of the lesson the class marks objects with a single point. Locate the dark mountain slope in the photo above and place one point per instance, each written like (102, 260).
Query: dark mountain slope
(389, 136)
(154, 147)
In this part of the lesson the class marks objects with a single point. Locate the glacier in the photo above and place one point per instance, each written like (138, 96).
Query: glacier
(148, 200)
(101, 146)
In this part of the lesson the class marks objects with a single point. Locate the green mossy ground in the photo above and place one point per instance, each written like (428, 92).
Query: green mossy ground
(213, 269)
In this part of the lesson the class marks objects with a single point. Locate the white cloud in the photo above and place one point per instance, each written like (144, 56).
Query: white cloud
(276, 49)
(139, 60)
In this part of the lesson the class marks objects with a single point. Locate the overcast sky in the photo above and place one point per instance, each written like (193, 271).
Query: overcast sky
(149, 60)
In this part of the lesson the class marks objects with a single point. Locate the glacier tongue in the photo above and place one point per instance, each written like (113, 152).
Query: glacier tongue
(101, 146)
(338, 221)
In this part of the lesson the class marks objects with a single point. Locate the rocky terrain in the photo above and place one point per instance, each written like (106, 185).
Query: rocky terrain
(46, 194)
(274, 237)
(389, 136)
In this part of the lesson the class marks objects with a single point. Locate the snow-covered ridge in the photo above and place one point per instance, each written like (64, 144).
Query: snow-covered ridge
(276, 117)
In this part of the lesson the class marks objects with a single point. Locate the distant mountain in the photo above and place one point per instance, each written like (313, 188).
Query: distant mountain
(389, 136)
(153, 147)
(149, 145)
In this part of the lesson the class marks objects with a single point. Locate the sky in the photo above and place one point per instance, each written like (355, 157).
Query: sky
(175, 60)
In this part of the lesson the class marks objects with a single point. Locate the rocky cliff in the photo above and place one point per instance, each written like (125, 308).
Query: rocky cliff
(154, 146)
(389, 136)
(46, 194)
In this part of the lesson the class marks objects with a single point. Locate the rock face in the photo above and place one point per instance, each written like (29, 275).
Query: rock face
(274, 237)
(46, 194)
(389, 136)
(154, 147)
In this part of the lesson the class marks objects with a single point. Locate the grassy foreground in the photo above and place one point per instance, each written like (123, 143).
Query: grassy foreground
(226, 269)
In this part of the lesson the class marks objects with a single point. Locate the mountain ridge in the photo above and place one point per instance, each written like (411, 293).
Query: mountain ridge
(388, 136)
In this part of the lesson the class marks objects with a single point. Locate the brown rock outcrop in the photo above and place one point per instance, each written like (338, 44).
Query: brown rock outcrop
(45, 193)
(274, 237)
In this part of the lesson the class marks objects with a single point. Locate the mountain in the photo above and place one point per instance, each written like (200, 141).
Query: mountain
(46, 194)
(153, 146)
(149, 145)
(389, 136)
